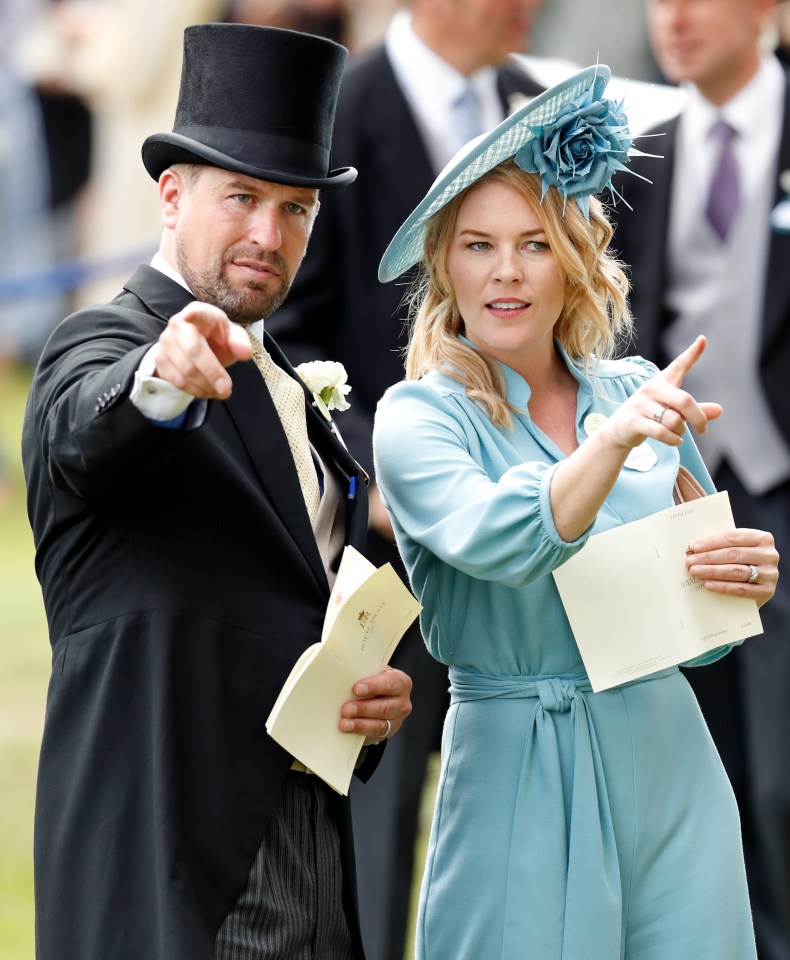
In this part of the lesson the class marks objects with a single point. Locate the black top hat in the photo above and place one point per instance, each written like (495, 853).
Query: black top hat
(257, 100)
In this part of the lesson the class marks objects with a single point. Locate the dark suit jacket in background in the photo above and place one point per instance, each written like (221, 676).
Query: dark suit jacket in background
(181, 580)
(745, 696)
(642, 238)
(337, 310)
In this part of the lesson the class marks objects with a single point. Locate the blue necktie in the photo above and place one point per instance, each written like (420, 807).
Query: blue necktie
(467, 116)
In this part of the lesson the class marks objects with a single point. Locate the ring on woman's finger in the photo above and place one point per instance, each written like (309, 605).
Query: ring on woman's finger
(659, 412)
(754, 573)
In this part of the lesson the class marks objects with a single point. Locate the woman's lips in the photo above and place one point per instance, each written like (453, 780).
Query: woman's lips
(506, 309)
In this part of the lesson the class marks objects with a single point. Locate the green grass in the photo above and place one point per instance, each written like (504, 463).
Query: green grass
(24, 672)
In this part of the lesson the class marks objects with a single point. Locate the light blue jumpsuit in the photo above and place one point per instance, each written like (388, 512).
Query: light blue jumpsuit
(569, 825)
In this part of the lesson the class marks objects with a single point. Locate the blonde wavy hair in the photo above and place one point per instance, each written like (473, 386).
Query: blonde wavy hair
(594, 320)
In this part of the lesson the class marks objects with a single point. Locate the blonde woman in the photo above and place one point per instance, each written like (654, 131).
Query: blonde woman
(568, 825)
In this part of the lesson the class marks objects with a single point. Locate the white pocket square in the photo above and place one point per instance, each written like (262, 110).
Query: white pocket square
(780, 216)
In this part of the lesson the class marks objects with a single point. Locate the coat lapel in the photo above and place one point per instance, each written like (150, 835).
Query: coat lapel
(162, 296)
(323, 435)
(251, 408)
(514, 80)
(661, 175)
(399, 145)
(320, 430)
(777, 286)
(399, 148)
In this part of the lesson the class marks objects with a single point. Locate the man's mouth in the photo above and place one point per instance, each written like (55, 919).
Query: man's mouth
(259, 266)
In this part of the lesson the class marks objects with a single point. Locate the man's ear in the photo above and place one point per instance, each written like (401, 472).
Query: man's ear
(171, 189)
(316, 208)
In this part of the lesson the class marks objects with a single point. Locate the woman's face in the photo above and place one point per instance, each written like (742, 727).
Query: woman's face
(508, 287)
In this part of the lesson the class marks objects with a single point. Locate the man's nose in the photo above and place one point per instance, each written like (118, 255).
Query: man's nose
(266, 228)
(674, 12)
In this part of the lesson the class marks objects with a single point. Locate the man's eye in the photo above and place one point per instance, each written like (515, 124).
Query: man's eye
(244, 198)
(295, 208)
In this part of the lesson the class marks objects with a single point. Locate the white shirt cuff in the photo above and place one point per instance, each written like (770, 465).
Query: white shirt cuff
(155, 398)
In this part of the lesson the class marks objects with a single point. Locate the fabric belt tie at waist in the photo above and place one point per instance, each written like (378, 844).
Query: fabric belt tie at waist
(554, 694)
(573, 864)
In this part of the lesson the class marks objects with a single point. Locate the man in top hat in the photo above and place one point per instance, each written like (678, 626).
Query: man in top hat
(186, 546)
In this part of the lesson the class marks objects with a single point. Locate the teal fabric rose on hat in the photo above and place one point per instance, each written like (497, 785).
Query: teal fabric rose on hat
(581, 148)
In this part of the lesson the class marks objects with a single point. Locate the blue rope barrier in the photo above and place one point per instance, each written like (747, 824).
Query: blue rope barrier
(67, 275)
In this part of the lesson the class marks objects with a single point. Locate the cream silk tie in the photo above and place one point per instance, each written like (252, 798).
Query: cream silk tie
(288, 399)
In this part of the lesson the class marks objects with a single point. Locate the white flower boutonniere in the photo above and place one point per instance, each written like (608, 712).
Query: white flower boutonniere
(326, 380)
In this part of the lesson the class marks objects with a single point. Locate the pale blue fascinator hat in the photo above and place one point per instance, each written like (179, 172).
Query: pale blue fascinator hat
(570, 135)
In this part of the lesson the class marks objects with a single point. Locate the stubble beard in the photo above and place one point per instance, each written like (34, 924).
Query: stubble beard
(246, 305)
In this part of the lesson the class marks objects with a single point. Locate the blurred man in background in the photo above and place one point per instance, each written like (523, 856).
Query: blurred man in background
(613, 32)
(708, 242)
(441, 77)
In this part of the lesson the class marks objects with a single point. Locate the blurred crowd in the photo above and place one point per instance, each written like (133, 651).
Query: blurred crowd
(83, 82)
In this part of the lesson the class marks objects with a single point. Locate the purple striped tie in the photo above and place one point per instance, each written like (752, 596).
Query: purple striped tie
(724, 194)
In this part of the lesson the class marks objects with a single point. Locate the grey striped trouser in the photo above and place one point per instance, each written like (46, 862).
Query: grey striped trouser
(292, 905)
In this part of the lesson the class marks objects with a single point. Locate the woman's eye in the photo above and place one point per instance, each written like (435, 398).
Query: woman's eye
(479, 245)
(537, 246)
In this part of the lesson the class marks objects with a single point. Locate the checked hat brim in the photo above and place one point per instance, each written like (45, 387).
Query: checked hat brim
(479, 156)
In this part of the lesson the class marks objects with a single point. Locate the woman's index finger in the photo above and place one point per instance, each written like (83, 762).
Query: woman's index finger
(677, 369)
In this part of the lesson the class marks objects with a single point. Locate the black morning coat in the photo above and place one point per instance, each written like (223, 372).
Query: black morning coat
(181, 580)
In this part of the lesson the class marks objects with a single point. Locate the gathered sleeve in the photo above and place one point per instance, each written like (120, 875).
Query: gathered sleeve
(440, 470)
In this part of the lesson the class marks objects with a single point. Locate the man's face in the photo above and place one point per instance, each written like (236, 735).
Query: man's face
(491, 29)
(711, 43)
(238, 241)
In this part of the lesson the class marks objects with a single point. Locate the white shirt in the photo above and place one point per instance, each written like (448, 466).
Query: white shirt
(432, 87)
(717, 288)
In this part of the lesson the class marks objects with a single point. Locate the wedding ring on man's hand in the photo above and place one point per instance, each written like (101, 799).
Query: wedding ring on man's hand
(388, 731)
(659, 412)
(753, 573)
